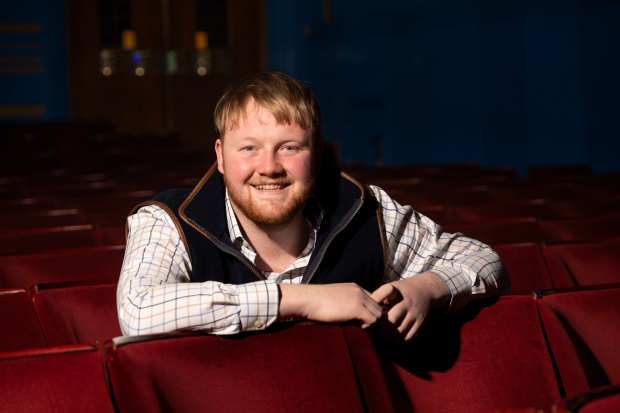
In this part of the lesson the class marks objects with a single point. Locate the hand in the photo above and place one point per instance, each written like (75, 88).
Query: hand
(418, 294)
(330, 303)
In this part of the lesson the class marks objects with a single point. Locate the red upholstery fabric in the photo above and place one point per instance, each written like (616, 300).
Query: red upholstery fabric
(575, 265)
(474, 214)
(46, 218)
(604, 405)
(112, 235)
(592, 229)
(306, 368)
(18, 322)
(60, 380)
(101, 264)
(81, 314)
(501, 232)
(42, 239)
(369, 371)
(601, 400)
(496, 359)
(583, 332)
(525, 265)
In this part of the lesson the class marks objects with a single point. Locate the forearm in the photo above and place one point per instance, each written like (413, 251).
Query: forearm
(416, 244)
(155, 295)
(209, 306)
(329, 303)
(469, 268)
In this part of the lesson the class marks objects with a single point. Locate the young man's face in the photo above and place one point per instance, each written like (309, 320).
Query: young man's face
(267, 167)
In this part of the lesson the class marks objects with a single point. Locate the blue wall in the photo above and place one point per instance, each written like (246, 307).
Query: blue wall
(430, 81)
(48, 87)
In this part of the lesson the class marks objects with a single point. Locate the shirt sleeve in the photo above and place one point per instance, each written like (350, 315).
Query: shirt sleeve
(155, 294)
(416, 244)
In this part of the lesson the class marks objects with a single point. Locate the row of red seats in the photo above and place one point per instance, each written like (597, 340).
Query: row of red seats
(31, 240)
(516, 353)
(531, 266)
(15, 239)
(534, 266)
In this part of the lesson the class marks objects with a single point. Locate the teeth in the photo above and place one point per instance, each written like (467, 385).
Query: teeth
(268, 187)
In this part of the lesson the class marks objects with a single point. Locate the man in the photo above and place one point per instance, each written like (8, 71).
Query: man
(273, 231)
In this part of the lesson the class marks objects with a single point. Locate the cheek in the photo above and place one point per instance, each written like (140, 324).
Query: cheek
(301, 168)
(237, 170)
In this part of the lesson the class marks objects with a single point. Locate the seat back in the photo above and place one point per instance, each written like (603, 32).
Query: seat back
(18, 321)
(525, 265)
(306, 368)
(68, 379)
(32, 240)
(79, 314)
(101, 264)
(44, 218)
(481, 360)
(590, 229)
(601, 400)
(584, 264)
(584, 332)
(508, 231)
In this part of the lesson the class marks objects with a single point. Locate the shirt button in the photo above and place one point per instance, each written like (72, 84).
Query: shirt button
(259, 324)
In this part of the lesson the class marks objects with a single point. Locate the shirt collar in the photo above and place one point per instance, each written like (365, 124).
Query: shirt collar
(313, 213)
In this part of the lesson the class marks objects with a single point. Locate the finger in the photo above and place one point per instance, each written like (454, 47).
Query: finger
(374, 308)
(367, 318)
(382, 292)
(416, 326)
(397, 313)
(406, 324)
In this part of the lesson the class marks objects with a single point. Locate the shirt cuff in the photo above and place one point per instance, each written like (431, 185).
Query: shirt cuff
(455, 280)
(258, 303)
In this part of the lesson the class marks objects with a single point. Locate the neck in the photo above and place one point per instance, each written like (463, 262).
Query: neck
(277, 246)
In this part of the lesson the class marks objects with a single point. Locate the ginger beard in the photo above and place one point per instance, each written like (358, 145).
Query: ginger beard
(269, 212)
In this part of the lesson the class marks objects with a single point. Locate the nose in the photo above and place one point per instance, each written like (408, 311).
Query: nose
(269, 165)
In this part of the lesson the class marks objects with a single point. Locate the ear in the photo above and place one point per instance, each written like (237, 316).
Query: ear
(220, 157)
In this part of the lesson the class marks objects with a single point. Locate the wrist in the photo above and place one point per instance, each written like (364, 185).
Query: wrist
(293, 301)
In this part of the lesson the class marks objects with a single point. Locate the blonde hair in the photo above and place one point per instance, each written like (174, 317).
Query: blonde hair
(286, 98)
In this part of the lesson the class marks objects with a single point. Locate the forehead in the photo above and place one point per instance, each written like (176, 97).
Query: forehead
(257, 121)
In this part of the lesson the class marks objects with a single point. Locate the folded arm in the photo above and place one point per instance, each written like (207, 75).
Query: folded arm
(429, 268)
(155, 295)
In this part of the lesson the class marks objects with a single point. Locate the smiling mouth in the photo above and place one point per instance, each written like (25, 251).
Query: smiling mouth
(270, 187)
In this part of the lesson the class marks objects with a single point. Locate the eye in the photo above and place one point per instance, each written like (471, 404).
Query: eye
(291, 148)
(247, 148)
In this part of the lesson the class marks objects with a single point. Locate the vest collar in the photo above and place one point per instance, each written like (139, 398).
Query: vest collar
(339, 196)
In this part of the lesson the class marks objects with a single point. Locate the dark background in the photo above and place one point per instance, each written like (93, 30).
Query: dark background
(499, 83)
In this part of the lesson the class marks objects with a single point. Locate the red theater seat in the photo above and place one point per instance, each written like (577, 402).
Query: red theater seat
(46, 218)
(583, 332)
(19, 326)
(601, 400)
(303, 368)
(590, 229)
(67, 379)
(494, 360)
(113, 235)
(525, 265)
(101, 264)
(508, 231)
(78, 314)
(42, 239)
(579, 265)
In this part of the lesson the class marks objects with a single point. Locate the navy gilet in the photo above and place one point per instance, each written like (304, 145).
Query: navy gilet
(349, 244)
